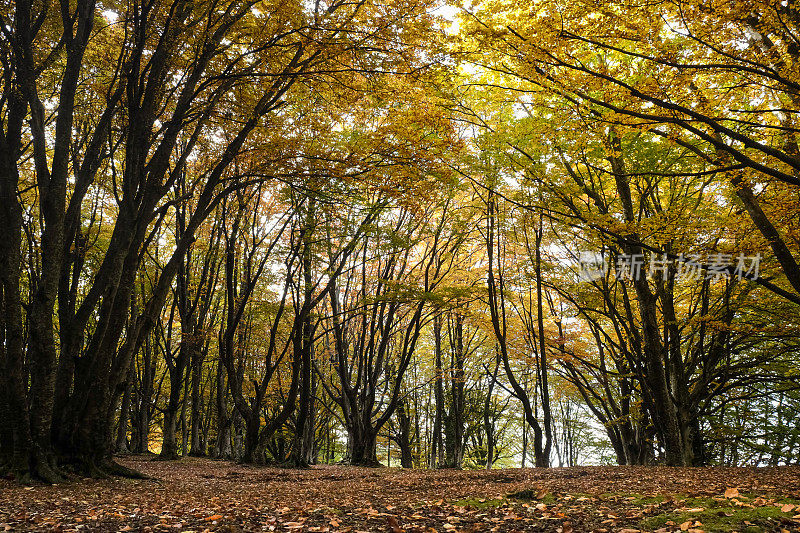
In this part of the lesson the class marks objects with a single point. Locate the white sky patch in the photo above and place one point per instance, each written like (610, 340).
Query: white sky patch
(450, 13)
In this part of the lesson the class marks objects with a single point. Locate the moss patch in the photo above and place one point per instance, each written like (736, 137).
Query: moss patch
(721, 514)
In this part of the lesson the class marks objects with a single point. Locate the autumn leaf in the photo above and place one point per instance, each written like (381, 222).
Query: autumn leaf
(394, 525)
(732, 493)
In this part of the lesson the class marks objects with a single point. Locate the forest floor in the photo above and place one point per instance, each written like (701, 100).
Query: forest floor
(205, 495)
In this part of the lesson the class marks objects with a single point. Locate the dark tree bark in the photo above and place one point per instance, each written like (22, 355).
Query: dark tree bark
(121, 442)
(141, 440)
(437, 442)
(222, 446)
(454, 422)
(403, 437)
(303, 446)
(488, 422)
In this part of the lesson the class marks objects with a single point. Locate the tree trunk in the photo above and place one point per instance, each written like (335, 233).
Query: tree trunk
(169, 445)
(197, 448)
(15, 430)
(121, 444)
(497, 309)
(542, 369)
(142, 442)
(454, 431)
(488, 423)
(437, 444)
(404, 436)
(362, 447)
(664, 410)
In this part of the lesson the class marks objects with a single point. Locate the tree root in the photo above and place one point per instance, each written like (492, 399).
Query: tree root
(47, 470)
(43, 472)
(365, 464)
(115, 469)
(101, 468)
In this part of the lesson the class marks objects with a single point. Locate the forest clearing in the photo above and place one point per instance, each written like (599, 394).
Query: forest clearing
(400, 265)
(205, 495)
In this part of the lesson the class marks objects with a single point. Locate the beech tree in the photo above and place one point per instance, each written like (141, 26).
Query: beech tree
(295, 232)
(164, 76)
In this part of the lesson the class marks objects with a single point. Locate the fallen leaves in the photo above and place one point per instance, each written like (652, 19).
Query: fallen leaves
(197, 495)
(732, 493)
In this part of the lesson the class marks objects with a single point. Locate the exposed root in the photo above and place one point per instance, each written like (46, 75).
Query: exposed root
(100, 468)
(115, 469)
(47, 470)
(42, 473)
(374, 463)
(91, 469)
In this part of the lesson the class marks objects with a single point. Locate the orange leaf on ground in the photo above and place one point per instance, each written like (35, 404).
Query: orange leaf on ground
(732, 493)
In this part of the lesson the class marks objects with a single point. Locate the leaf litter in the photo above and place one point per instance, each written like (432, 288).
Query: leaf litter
(202, 495)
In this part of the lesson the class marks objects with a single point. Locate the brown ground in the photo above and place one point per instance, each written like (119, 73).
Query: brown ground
(199, 495)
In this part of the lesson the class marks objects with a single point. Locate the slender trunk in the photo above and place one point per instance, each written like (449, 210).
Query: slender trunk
(184, 426)
(143, 416)
(437, 444)
(488, 423)
(121, 444)
(222, 447)
(197, 448)
(404, 436)
(497, 309)
(542, 368)
(455, 420)
(169, 446)
(665, 413)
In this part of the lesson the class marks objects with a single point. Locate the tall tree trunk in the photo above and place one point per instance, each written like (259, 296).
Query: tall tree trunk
(437, 443)
(222, 446)
(497, 309)
(15, 429)
(488, 423)
(665, 412)
(121, 444)
(404, 436)
(542, 369)
(169, 446)
(142, 441)
(303, 447)
(197, 446)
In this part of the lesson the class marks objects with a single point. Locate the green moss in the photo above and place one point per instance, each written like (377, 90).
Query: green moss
(632, 499)
(719, 515)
